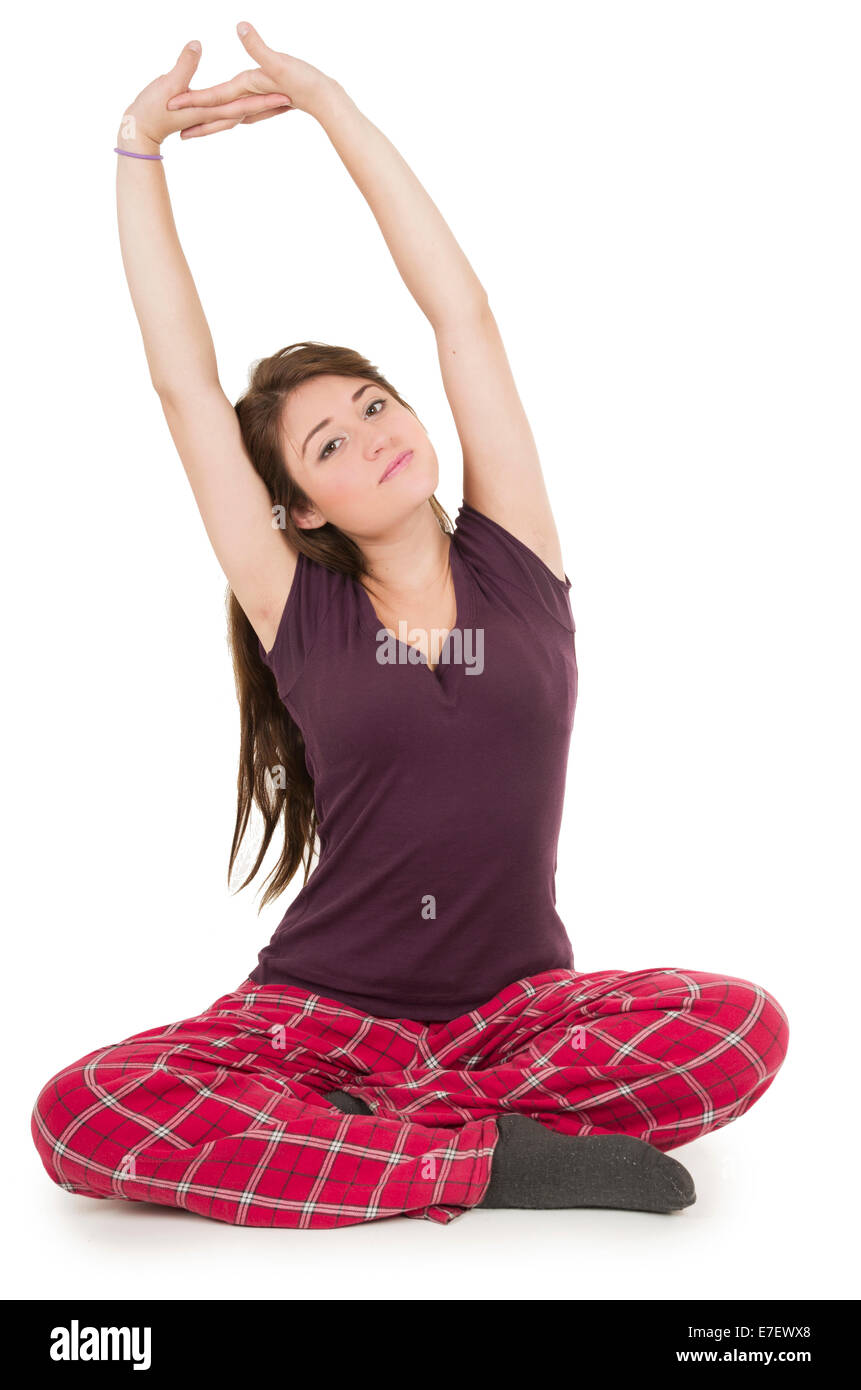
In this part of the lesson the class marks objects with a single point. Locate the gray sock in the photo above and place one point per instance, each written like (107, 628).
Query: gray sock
(351, 1105)
(533, 1166)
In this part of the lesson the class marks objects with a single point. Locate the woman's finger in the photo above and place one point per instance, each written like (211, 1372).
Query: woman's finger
(240, 85)
(252, 105)
(232, 113)
(210, 127)
(235, 110)
(264, 115)
(255, 46)
(207, 128)
(186, 64)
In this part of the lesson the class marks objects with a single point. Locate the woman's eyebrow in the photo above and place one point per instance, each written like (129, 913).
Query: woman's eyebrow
(323, 423)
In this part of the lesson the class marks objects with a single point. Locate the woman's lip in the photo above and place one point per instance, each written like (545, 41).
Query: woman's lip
(398, 464)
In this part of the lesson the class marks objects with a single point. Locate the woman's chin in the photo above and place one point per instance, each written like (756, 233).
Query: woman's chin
(422, 485)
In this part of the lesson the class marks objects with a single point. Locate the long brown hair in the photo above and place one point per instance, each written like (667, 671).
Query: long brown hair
(269, 736)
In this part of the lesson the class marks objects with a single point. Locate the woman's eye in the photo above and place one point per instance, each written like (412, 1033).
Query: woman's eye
(324, 453)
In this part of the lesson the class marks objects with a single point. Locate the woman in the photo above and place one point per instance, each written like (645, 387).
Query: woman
(414, 1040)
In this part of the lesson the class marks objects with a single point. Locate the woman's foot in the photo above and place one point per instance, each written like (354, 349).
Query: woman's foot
(536, 1167)
(351, 1105)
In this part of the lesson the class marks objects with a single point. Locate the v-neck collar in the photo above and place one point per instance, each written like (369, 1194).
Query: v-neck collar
(445, 675)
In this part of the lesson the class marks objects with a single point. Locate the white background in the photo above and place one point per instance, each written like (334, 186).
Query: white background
(662, 201)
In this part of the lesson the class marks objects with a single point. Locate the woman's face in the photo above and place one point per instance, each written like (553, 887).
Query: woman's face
(341, 435)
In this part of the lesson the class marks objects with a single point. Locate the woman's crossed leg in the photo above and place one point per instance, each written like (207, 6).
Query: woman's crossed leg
(225, 1113)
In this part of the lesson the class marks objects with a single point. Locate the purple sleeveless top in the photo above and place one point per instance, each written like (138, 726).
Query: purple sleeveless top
(439, 792)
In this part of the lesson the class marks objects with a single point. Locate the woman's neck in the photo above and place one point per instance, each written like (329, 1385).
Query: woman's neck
(412, 566)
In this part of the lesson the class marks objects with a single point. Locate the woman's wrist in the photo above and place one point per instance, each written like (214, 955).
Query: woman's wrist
(326, 98)
(131, 137)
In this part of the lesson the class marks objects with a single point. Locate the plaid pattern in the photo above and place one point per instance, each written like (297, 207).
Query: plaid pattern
(223, 1113)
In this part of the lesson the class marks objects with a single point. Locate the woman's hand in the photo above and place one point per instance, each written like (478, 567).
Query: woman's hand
(149, 120)
(278, 74)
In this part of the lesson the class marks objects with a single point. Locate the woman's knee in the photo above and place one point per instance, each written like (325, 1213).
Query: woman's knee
(57, 1107)
(74, 1116)
(763, 1024)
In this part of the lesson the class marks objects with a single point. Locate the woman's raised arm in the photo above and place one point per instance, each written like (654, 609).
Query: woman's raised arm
(232, 498)
(502, 474)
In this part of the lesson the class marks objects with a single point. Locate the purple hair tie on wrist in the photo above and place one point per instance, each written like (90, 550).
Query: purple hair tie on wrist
(134, 154)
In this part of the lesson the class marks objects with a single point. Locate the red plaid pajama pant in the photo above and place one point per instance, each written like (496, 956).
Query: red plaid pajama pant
(224, 1113)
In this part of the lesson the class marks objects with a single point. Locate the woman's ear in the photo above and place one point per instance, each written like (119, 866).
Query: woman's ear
(306, 516)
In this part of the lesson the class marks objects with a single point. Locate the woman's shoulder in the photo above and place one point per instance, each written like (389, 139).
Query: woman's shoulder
(494, 552)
